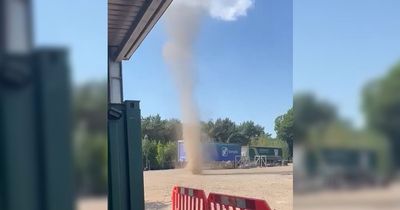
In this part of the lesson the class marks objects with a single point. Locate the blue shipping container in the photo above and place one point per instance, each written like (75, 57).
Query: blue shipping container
(222, 152)
(213, 151)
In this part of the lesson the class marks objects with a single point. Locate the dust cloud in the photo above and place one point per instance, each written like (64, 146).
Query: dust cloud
(182, 23)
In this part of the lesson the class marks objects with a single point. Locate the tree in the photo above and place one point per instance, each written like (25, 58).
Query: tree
(238, 138)
(153, 127)
(173, 130)
(223, 129)
(310, 113)
(90, 137)
(150, 154)
(166, 155)
(90, 106)
(226, 131)
(161, 156)
(90, 154)
(250, 130)
(284, 128)
(381, 105)
(207, 128)
(157, 129)
(170, 154)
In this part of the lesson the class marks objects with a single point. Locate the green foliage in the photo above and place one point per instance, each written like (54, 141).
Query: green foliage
(166, 156)
(284, 127)
(268, 141)
(150, 152)
(158, 155)
(154, 128)
(237, 138)
(227, 131)
(90, 106)
(161, 156)
(381, 105)
(208, 128)
(223, 128)
(249, 130)
(309, 114)
(90, 138)
(90, 157)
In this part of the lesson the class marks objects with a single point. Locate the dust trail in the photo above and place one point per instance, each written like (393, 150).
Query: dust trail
(182, 23)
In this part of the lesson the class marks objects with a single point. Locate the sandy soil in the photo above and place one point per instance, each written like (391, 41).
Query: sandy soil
(271, 184)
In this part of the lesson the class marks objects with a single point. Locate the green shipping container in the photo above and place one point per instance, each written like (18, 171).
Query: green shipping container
(267, 151)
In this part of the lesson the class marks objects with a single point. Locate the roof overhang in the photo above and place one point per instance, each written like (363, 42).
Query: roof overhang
(129, 21)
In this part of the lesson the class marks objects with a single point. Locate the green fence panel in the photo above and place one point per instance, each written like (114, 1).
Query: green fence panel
(35, 160)
(125, 164)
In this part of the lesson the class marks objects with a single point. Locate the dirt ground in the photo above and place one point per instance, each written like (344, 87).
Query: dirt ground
(274, 184)
(383, 198)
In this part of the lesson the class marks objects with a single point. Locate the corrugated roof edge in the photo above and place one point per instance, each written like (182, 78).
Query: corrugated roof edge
(143, 26)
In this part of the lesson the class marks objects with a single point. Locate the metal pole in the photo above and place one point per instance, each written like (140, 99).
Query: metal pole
(17, 26)
(115, 95)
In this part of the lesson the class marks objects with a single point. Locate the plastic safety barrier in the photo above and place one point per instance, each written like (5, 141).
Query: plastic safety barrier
(228, 202)
(188, 199)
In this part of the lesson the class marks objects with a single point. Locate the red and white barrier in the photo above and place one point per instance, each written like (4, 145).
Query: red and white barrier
(228, 202)
(188, 199)
(195, 199)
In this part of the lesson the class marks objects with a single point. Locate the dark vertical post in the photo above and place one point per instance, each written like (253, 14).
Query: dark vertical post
(35, 155)
(18, 159)
(118, 185)
(125, 169)
(35, 133)
(135, 157)
(54, 143)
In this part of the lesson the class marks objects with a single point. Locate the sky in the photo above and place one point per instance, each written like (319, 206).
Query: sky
(243, 67)
(339, 45)
(79, 26)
